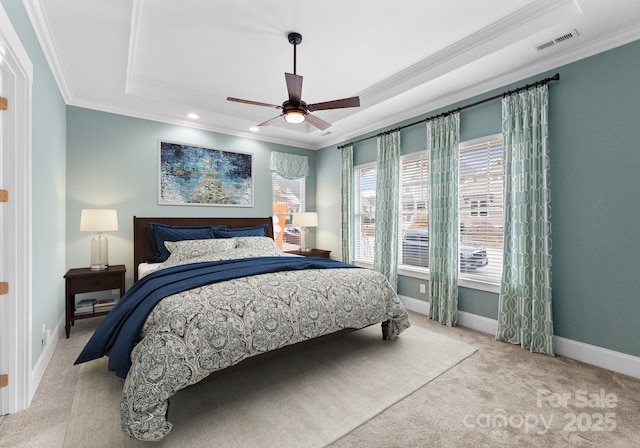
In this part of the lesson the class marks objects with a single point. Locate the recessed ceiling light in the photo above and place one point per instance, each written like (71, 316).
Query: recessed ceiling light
(193, 116)
(254, 128)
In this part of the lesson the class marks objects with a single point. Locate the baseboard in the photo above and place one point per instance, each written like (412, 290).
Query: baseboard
(479, 323)
(589, 354)
(418, 306)
(598, 356)
(38, 370)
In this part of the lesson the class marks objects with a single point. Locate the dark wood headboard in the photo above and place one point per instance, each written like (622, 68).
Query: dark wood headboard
(143, 250)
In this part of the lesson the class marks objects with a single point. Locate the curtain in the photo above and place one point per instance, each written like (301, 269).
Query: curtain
(289, 166)
(524, 307)
(385, 252)
(443, 138)
(346, 188)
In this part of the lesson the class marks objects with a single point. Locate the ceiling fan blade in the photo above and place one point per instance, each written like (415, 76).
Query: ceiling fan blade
(271, 121)
(255, 103)
(317, 122)
(354, 101)
(294, 86)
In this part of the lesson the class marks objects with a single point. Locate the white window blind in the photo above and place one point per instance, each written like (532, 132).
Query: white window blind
(365, 211)
(414, 206)
(481, 209)
(288, 198)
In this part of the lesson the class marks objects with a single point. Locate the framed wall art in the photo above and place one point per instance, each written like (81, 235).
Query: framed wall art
(196, 175)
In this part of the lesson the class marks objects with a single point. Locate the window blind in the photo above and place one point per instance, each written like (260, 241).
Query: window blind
(287, 198)
(365, 211)
(481, 209)
(414, 206)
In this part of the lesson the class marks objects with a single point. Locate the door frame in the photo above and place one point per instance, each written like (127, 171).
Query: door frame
(16, 221)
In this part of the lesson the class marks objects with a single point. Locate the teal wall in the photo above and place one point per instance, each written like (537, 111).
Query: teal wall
(595, 161)
(48, 189)
(112, 162)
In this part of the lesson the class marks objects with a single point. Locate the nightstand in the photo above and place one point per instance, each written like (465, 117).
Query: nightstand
(83, 280)
(312, 253)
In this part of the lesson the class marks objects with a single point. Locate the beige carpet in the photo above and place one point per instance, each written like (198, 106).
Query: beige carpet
(308, 398)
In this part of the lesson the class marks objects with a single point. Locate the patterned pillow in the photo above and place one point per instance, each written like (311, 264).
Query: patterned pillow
(260, 245)
(190, 251)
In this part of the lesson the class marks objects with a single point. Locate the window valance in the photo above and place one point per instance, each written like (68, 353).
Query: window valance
(289, 166)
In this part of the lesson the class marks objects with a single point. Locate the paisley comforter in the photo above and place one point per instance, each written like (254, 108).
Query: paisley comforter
(191, 334)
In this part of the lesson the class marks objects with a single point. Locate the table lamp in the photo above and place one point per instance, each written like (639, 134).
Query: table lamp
(99, 220)
(304, 220)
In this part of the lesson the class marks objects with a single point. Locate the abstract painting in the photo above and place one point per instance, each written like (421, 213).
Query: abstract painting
(195, 175)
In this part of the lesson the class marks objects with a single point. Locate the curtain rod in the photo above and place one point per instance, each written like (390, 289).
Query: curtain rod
(544, 81)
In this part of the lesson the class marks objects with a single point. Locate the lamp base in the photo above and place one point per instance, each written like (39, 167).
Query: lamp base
(305, 240)
(99, 252)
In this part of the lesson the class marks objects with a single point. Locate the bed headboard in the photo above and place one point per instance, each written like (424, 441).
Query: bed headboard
(143, 250)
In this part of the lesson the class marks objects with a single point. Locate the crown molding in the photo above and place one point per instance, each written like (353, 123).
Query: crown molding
(38, 19)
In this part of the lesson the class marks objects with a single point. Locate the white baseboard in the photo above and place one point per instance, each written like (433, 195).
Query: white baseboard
(475, 322)
(590, 354)
(598, 356)
(418, 306)
(38, 370)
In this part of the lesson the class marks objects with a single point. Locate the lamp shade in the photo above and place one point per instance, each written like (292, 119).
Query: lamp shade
(308, 219)
(98, 220)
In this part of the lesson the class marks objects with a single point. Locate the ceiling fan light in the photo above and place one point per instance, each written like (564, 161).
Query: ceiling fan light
(294, 116)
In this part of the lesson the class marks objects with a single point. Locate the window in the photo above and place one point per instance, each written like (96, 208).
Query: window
(480, 209)
(414, 210)
(288, 198)
(365, 211)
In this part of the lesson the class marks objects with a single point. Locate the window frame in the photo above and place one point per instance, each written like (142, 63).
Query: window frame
(466, 280)
(482, 211)
(358, 261)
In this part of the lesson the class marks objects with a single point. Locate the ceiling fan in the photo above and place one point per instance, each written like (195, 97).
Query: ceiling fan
(294, 110)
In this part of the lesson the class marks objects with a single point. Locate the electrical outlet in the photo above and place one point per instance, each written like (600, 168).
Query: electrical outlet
(44, 335)
(423, 288)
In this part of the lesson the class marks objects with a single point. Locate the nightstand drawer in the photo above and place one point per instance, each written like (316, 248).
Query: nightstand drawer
(91, 284)
(312, 253)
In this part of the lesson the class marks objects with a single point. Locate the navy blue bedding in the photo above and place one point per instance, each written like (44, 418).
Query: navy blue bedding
(119, 332)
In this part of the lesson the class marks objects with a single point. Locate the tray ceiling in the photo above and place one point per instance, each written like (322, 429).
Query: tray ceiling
(163, 59)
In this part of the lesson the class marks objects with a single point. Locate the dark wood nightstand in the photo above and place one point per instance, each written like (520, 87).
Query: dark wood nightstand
(312, 253)
(87, 280)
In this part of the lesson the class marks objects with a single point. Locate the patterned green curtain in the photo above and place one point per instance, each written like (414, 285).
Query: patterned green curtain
(385, 252)
(524, 312)
(443, 138)
(346, 186)
(289, 166)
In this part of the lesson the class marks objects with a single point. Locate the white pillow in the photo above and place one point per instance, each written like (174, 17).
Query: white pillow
(188, 251)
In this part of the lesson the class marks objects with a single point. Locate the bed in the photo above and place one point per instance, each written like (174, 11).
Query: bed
(212, 304)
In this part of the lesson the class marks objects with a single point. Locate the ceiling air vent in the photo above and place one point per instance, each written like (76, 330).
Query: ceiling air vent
(565, 37)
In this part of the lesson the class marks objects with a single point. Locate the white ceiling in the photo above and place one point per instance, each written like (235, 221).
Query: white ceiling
(162, 59)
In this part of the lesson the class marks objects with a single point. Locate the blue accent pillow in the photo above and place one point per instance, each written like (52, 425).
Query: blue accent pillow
(260, 230)
(160, 233)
